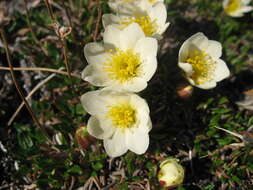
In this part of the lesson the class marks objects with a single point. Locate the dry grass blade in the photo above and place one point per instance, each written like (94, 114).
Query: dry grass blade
(29, 95)
(17, 86)
(40, 69)
(231, 133)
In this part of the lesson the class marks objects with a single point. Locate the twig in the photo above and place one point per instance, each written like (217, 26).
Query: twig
(29, 95)
(17, 86)
(40, 69)
(65, 51)
(72, 183)
(98, 21)
(95, 180)
(226, 147)
(49, 9)
(231, 133)
(62, 40)
(69, 19)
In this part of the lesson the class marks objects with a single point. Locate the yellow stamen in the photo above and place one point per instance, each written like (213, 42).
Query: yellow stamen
(122, 115)
(123, 65)
(149, 27)
(152, 1)
(233, 5)
(202, 65)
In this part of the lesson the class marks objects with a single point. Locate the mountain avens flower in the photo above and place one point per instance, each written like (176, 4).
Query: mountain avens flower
(125, 60)
(200, 59)
(115, 4)
(151, 19)
(236, 8)
(171, 173)
(121, 119)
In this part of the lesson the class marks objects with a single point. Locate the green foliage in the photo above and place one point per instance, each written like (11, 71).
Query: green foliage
(178, 126)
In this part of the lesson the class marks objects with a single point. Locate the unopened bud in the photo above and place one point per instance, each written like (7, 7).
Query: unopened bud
(171, 173)
(83, 138)
(61, 31)
(184, 90)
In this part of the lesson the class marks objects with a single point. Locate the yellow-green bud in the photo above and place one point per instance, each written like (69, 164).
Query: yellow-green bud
(171, 173)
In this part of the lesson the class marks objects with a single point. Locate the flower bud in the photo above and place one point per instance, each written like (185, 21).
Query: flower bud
(171, 173)
(184, 90)
(83, 138)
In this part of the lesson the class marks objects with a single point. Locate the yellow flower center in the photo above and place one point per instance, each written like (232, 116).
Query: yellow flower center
(152, 1)
(233, 5)
(149, 27)
(123, 65)
(122, 115)
(202, 65)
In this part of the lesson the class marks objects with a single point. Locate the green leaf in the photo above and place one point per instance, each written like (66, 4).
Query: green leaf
(75, 170)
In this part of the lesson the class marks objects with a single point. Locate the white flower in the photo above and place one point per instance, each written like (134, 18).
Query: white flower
(121, 119)
(125, 61)
(200, 59)
(152, 19)
(115, 4)
(171, 173)
(236, 8)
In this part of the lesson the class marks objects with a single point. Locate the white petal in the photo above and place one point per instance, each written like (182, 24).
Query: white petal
(214, 49)
(186, 67)
(112, 36)
(95, 129)
(164, 28)
(199, 40)
(137, 142)
(94, 103)
(158, 13)
(144, 121)
(237, 14)
(139, 103)
(142, 115)
(221, 70)
(108, 19)
(146, 47)
(148, 68)
(186, 50)
(149, 125)
(143, 5)
(116, 146)
(134, 85)
(246, 9)
(95, 75)
(225, 3)
(113, 5)
(207, 85)
(95, 53)
(130, 35)
(246, 2)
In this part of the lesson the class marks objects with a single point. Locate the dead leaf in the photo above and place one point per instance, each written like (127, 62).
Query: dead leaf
(247, 102)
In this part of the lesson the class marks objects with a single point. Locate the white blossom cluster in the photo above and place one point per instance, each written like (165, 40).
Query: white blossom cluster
(122, 64)
(126, 59)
